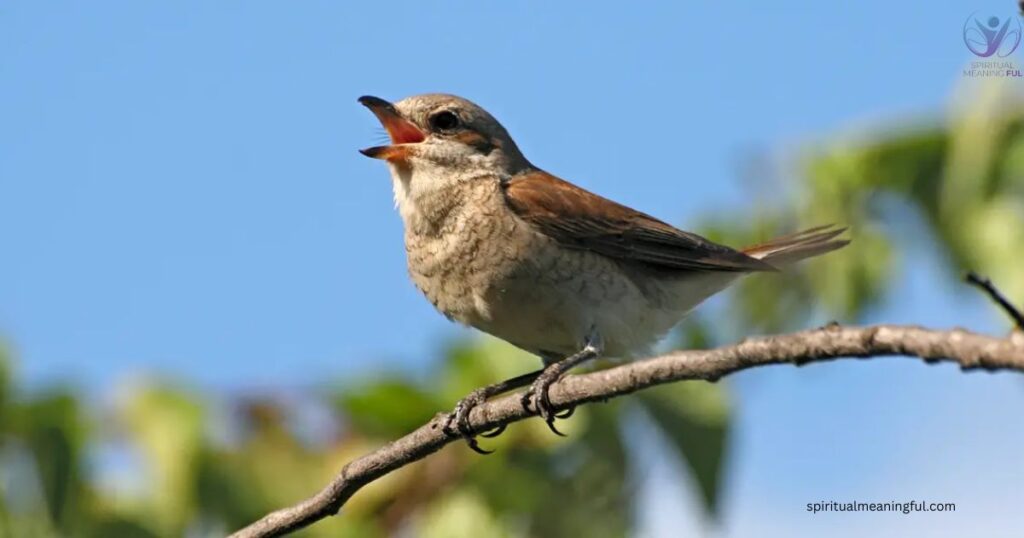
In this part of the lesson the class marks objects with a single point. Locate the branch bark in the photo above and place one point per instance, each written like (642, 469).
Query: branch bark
(971, 351)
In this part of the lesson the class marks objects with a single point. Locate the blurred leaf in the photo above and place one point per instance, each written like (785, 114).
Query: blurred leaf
(694, 417)
(589, 491)
(480, 362)
(120, 528)
(460, 514)
(694, 333)
(268, 467)
(53, 428)
(388, 407)
(167, 424)
(6, 387)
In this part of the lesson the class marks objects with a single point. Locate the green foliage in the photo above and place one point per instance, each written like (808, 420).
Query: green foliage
(961, 182)
(388, 407)
(6, 384)
(53, 429)
(166, 424)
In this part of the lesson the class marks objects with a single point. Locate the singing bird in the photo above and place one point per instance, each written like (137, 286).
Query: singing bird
(498, 244)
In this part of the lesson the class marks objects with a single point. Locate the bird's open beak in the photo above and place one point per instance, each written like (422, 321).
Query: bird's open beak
(401, 130)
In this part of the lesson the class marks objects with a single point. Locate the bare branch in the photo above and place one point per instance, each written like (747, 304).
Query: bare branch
(970, 350)
(993, 292)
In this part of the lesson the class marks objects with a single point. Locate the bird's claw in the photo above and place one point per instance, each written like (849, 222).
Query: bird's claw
(493, 433)
(458, 420)
(538, 399)
(459, 417)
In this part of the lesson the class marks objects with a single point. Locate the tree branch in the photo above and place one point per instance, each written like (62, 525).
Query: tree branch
(997, 296)
(970, 350)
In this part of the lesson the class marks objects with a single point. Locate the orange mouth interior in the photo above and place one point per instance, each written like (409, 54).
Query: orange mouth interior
(401, 130)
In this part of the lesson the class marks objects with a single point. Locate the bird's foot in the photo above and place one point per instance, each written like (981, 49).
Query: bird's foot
(458, 419)
(538, 397)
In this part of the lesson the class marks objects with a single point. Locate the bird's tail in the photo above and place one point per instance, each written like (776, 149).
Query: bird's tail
(798, 246)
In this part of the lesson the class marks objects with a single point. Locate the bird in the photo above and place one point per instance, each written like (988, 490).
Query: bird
(498, 244)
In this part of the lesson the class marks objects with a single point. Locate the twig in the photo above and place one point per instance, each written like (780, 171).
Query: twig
(988, 287)
(970, 350)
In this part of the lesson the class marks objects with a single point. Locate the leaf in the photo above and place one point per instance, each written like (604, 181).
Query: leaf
(167, 424)
(588, 489)
(54, 429)
(6, 384)
(480, 362)
(694, 417)
(460, 513)
(121, 528)
(388, 407)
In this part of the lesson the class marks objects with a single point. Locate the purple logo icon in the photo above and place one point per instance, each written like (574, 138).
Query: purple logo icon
(991, 36)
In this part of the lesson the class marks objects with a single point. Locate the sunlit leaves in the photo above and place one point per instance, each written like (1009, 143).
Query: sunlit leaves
(167, 425)
(460, 514)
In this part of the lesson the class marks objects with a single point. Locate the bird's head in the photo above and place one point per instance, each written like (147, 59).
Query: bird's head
(443, 135)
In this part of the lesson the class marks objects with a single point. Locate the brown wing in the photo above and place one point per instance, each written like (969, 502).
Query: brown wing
(583, 220)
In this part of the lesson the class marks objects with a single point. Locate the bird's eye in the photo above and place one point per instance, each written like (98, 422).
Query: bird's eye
(444, 121)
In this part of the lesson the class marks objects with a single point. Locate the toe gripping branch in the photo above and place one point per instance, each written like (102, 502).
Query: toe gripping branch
(459, 417)
(538, 398)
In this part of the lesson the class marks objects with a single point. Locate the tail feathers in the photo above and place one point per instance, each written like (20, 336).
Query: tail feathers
(798, 246)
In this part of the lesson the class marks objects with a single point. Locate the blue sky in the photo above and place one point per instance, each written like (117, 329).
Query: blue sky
(182, 195)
